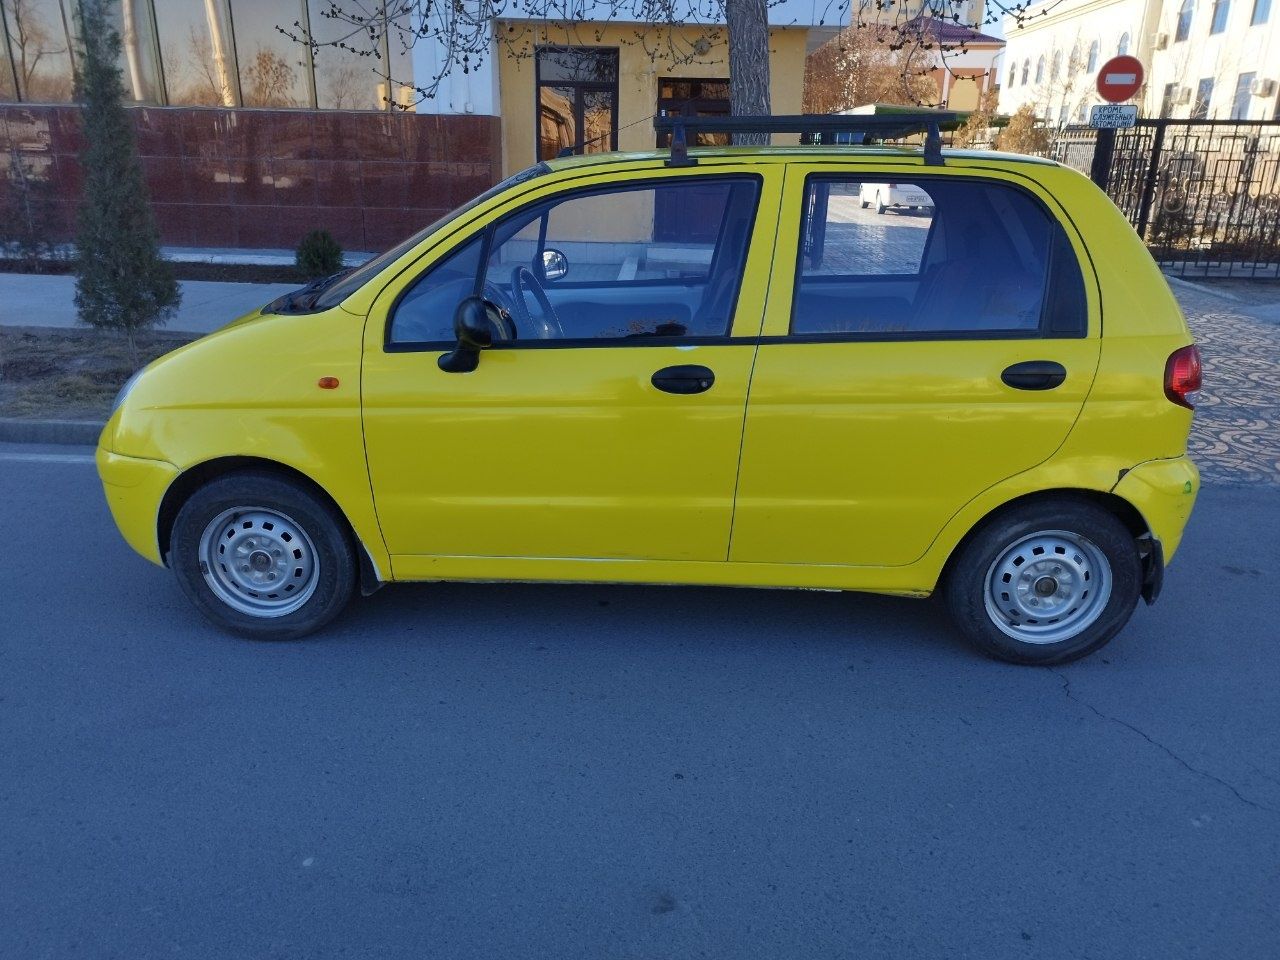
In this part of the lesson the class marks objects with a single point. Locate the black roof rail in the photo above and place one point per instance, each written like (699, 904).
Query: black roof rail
(814, 128)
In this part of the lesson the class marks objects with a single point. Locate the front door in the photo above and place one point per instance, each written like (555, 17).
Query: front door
(580, 434)
(922, 355)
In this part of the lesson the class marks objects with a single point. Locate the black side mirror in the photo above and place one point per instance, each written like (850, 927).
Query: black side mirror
(473, 324)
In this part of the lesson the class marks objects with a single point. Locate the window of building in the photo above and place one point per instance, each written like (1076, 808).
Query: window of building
(1221, 10)
(1122, 48)
(706, 98)
(622, 274)
(1057, 65)
(41, 44)
(1063, 113)
(345, 78)
(8, 78)
(139, 60)
(577, 100)
(1026, 70)
(1204, 94)
(1092, 64)
(1082, 110)
(956, 258)
(1244, 91)
(1166, 101)
(1261, 12)
(274, 70)
(1040, 70)
(197, 52)
(1185, 15)
(1013, 74)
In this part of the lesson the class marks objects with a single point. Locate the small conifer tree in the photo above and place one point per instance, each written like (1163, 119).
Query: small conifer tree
(122, 282)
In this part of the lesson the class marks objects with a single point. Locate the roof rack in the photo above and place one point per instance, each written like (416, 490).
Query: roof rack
(854, 129)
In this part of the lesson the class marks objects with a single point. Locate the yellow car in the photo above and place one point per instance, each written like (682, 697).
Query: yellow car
(702, 368)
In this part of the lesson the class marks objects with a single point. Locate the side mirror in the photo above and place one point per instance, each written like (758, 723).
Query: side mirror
(554, 264)
(473, 326)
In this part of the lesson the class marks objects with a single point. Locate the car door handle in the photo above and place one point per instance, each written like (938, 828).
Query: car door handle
(689, 378)
(1034, 375)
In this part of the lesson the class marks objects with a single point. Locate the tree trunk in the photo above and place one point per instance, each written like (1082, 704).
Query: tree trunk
(748, 22)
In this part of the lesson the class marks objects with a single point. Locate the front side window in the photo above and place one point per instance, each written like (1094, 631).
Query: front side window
(577, 100)
(933, 259)
(639, 262)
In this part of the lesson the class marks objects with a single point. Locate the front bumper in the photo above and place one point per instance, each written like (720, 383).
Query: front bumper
(1163, 491)
(134, 488)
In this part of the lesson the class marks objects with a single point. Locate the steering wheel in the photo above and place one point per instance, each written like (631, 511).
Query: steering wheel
(546, 327)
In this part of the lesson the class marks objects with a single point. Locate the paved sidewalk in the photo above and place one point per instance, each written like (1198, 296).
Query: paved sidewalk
(30, 300)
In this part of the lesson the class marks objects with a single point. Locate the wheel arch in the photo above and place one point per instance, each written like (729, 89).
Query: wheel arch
(197, 476)
(1121, 508)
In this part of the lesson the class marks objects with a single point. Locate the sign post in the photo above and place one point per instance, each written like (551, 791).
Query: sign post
(1118, 80)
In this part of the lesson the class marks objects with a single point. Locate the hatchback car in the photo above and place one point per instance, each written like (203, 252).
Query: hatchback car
(616, 368)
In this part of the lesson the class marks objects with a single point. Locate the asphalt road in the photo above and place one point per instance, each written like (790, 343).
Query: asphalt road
(463, 771)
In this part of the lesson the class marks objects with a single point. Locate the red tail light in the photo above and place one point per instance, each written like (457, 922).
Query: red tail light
(1182, 376)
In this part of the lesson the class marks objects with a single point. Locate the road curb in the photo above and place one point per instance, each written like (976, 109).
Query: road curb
(70, 432)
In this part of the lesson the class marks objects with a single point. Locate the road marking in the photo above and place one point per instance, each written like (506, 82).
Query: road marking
(46, 458)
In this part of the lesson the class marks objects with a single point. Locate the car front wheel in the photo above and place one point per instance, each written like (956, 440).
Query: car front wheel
(1045, 583)
(263, 556)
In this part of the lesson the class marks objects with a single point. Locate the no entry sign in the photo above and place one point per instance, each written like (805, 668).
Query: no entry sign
(1120, 78)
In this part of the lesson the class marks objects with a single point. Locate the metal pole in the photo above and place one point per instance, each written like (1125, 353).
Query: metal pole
(1104, 150)
(1149, 186)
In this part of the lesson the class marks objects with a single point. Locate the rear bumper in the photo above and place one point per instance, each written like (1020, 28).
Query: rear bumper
(134, 488)
(1163, 491)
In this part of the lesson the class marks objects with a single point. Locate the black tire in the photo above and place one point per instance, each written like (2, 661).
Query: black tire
(327, 531)
(965, 583)
(864, 203)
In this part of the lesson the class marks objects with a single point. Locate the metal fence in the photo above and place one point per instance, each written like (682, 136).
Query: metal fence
(1203, 194)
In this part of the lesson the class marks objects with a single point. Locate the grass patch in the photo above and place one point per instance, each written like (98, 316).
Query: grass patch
(69, 374)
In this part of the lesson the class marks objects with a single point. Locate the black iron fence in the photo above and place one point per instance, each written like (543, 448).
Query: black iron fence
(1203, 194)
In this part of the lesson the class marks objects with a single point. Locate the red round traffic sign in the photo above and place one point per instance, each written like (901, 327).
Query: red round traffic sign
(1120, 78)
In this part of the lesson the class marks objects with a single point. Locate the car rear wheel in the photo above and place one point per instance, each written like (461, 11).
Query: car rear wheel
(263, 556)
(863, 203)
(1045, 583)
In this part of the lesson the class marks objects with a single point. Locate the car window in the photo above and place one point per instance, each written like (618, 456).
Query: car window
(637, 261)
(933, 258)
(656, 260)
(425, 310)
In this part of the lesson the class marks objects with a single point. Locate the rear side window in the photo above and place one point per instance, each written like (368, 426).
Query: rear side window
(933, 258)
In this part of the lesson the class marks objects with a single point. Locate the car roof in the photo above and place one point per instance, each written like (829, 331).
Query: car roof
(785, 154)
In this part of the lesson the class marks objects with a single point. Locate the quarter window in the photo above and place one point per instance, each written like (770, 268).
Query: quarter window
(933, 259)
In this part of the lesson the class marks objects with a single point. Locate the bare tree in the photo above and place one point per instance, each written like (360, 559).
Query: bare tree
(860, 66)
(35, 42)
(268, 81)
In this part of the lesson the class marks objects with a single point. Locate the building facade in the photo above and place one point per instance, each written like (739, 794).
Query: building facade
(1204, 59)
(250, 138)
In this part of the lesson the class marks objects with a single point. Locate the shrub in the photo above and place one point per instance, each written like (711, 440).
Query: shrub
(1024, 134)
(318, 255)
(122, 282)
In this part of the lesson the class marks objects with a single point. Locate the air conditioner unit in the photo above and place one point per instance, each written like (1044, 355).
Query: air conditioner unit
(1162, 41)
(1262, 88)
(1182, 96)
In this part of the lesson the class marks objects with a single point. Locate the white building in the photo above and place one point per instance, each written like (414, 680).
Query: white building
(1214, 59)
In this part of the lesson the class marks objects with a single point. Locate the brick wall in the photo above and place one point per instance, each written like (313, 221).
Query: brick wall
(263, 178)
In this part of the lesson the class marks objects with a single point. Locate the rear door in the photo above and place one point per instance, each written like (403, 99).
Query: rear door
(909, 361)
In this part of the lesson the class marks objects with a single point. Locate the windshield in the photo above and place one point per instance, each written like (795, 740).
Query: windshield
(353, 281)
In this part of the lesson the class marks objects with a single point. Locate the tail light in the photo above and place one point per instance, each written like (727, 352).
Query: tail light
(1182, 376)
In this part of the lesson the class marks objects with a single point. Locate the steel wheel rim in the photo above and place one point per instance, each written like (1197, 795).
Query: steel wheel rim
(259, 561)
(1047, 587)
